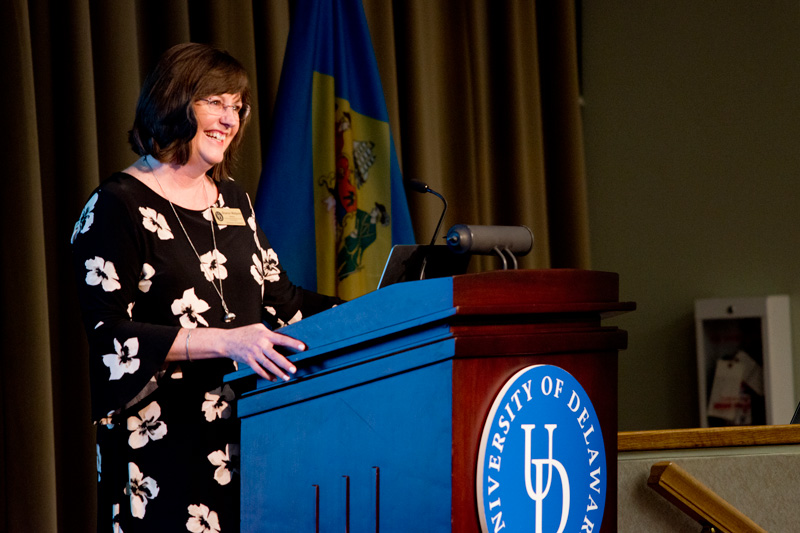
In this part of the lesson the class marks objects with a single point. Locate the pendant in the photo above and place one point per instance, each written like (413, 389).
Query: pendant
(229, 317)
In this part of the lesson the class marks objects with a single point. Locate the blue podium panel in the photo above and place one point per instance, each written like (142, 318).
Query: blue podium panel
(379, 450)
(380, 428)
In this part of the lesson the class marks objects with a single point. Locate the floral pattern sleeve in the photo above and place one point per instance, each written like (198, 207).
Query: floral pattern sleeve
(284, 303)
(125, 354)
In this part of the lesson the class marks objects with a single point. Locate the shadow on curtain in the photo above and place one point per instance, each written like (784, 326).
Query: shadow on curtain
(484, 107)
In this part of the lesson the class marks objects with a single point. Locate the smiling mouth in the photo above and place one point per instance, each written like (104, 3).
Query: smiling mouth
(217, 136)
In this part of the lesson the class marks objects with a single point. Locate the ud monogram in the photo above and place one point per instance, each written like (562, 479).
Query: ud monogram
(537, 493)
(541, 464)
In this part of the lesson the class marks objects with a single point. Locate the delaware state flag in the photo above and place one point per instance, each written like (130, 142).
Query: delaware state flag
(331, 196)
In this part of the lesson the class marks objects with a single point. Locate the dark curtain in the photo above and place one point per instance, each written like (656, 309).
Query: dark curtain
(484, 103)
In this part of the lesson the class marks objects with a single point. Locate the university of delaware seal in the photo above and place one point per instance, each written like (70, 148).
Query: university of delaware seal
(542, 462)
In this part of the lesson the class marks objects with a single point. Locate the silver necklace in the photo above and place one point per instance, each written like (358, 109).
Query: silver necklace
(228, 316)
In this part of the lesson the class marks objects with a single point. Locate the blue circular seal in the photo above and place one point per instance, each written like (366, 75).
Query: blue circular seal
(542, 461)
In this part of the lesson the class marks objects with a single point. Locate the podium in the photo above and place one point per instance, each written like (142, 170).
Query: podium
(381, 427)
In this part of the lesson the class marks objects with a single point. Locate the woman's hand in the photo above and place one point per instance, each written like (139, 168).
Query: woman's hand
(254, 345)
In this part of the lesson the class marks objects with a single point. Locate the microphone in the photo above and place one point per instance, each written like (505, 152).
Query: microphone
(417, 185)
(501, 240)
(463, 238)
(423, 188)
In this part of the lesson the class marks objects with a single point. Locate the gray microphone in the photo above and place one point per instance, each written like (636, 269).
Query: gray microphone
(463, 238)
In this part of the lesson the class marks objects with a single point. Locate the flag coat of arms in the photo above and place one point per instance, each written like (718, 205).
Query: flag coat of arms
(331, 196)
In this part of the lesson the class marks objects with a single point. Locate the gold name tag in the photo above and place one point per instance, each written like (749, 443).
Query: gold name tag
(228, 216)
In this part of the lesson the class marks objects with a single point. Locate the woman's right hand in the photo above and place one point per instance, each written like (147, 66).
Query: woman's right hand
(254, 345)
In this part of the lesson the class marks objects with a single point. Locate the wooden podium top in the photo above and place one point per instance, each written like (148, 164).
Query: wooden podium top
(538, 291)
(425, 303)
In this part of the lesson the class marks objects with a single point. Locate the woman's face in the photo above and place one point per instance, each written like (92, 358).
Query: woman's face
(217, 124)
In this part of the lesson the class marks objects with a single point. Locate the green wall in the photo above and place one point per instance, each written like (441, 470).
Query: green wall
(692, 125)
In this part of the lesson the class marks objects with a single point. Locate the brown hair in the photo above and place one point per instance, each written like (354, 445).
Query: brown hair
(165, 123)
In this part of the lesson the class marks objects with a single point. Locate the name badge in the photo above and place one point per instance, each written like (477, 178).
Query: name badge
(228, 216)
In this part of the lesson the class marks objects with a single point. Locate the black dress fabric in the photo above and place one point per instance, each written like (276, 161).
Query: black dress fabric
(167, 438)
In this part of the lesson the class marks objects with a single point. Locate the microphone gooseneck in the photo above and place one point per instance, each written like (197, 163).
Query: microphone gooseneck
(417, 185)
(423, 188)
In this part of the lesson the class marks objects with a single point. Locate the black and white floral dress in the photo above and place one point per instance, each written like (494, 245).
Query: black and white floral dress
(167, 439)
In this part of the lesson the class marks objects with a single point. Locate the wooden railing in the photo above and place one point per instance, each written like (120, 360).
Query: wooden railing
(682, 439)
(688, 494)
(698, 501)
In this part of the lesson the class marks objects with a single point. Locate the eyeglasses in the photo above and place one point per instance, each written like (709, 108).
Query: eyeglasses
(217, 107)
